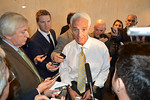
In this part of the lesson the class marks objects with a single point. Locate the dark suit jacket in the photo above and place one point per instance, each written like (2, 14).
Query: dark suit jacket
(64, 29)
(26, 80)
(125, 37)
(28, 96)
(38, 45)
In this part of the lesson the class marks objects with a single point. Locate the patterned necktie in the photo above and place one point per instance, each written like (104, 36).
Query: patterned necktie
(50, 40)
(81, 84)
(29, 63)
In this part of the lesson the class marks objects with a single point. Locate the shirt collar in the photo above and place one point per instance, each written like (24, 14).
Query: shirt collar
(86, 45)
(43, 33)
(16, 49)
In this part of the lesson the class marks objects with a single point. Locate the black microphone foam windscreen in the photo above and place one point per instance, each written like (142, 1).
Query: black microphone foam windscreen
(88, 72)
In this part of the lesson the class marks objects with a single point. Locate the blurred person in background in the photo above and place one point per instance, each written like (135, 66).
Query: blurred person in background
(131, 80)
(66, 27)
(113, 46)
(99, 31)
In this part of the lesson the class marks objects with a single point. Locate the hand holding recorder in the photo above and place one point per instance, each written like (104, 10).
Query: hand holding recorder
(58, 58)
(114, 31)
(52, 80)
(40, 58)
(51, 67)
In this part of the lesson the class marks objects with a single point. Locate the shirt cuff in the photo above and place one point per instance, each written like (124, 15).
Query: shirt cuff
(47, 66)
(38, 91)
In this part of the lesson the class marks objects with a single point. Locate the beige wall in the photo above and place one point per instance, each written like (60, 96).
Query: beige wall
(109, 10)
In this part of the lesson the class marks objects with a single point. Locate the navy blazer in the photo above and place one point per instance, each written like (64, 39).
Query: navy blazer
(28, 96)
(38, 45)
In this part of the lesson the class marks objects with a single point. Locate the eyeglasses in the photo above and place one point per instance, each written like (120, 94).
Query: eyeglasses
(11, 76)
(131, 21)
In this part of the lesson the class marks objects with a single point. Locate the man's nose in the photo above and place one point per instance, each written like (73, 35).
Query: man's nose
(80, 32)
(46, 23)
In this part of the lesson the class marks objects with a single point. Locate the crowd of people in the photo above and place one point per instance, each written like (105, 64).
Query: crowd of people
(27, 64)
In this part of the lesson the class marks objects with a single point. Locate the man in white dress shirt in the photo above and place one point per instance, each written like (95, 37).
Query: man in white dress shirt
(96, 54)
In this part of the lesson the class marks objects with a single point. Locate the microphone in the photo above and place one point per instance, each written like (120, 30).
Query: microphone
(88, 72)
(89, 78)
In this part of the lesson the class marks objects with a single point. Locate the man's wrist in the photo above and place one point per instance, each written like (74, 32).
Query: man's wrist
(94, 88)
(38, 91)
(52, 55)
(69, 88)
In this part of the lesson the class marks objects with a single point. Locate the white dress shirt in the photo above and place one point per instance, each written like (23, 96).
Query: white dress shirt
(97, 56)
(45, 35)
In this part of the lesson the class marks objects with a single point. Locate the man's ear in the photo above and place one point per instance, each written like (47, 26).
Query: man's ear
(120, 85)
(89, 28)
(70, 28)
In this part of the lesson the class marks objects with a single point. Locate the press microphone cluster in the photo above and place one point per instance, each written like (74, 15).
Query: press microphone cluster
(89, 78)
(139, 31)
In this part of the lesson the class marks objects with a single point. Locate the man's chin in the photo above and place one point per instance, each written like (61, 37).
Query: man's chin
(81, 43)
(23, 43)
(46, 31)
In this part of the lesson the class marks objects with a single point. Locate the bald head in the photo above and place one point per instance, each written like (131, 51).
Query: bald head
(131, 20)
(100, 22)
(132, 15)
(99, 27)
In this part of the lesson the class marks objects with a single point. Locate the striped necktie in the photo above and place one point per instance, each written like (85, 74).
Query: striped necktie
(81, 84)
(29, 63)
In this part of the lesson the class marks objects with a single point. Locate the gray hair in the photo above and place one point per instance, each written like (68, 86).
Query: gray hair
(2, 70)
(80, 15)
(9, 22)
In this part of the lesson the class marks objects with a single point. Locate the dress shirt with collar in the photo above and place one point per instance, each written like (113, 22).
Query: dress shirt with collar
(45, 35)
(15, 48)
(97, 56)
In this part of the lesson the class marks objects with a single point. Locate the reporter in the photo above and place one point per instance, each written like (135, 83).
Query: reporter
(7, 77)
(13, 34)
(99, 32)
(131, 79)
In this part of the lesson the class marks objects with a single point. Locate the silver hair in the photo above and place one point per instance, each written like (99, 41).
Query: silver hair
(9, 22)
(80, 15)
(2, 70)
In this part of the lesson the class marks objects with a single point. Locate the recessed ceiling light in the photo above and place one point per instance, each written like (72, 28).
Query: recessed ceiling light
(23, 6)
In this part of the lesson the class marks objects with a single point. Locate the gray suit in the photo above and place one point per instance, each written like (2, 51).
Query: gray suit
(62, 41)
(26, 80)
